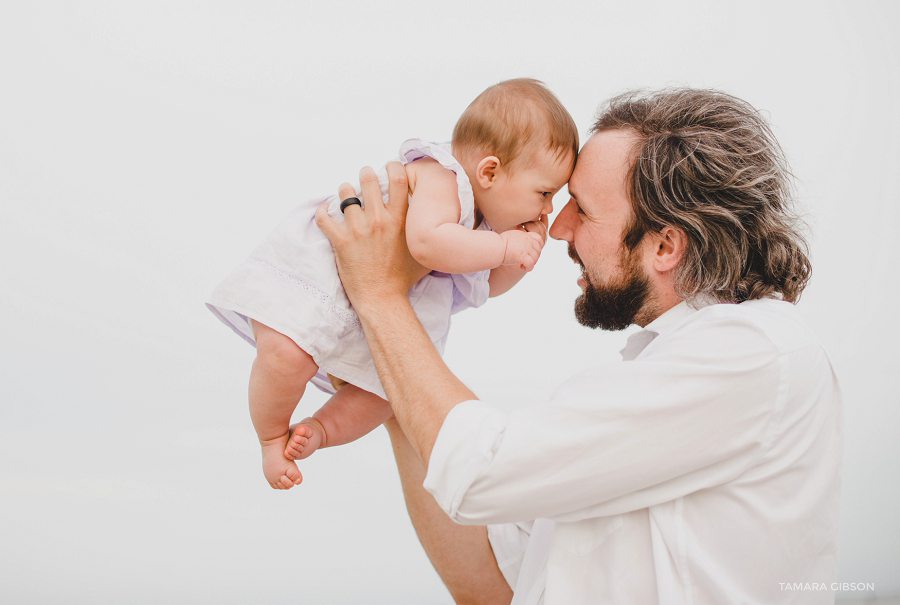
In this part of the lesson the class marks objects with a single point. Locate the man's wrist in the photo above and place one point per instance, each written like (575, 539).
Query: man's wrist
(370, 307)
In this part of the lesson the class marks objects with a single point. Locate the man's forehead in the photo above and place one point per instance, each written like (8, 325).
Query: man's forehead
(603, 161)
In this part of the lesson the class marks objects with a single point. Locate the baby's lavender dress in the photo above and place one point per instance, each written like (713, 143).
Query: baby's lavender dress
(290, 283)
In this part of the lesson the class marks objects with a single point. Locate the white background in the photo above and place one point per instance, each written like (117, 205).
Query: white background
(145, 148)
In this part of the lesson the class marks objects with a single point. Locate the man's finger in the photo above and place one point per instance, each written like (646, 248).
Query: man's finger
(344, 191)
(371, 191)
(324, 221)
(398, 190)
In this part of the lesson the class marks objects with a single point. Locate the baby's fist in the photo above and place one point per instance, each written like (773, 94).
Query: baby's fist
(522, 248)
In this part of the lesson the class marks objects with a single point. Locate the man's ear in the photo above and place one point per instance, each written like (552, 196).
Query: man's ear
(487, 171)
(670, 245)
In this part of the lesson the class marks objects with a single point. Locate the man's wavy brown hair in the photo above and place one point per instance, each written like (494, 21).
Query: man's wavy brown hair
(708, 164)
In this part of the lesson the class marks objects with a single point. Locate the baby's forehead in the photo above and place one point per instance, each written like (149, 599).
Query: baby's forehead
(551, 164)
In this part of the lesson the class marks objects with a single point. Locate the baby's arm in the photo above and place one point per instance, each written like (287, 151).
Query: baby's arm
(437, 240)
(503, 278)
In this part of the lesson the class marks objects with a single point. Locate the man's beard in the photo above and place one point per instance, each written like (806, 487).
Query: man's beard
(616, 304)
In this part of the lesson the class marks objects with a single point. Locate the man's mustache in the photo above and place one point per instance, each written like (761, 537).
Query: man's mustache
(574, 256)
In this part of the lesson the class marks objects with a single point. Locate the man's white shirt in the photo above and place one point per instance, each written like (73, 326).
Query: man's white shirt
(703, 469)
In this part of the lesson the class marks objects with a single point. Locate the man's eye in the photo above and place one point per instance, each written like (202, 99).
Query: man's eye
(578, 209)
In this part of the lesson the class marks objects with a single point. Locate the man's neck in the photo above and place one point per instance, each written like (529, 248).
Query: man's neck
(656, 306)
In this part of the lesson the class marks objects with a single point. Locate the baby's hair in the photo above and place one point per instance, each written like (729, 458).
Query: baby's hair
(513, 119)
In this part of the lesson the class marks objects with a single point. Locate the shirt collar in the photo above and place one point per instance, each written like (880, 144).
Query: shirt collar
(638, 341)
(671, 317)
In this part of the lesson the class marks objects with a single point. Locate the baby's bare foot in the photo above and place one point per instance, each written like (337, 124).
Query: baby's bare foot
(280, 472)
(305, 438)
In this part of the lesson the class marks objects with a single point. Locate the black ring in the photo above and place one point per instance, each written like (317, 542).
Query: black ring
(350, 201)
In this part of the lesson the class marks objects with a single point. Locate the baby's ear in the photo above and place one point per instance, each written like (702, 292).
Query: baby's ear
(487, 171)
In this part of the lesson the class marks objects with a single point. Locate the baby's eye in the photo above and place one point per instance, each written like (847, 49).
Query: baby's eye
(545, 193)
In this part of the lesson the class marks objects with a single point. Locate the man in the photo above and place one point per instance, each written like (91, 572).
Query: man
(704, 468)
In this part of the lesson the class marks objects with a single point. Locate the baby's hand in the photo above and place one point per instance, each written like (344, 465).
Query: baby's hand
(522, 248)
(539, 226)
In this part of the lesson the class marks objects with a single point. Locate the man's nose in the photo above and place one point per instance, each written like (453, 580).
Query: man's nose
(561, 227)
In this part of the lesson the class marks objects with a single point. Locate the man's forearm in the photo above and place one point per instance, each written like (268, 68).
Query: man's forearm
(461, 554)
(420, 387)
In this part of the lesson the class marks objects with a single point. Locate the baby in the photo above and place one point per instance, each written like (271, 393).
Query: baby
(477, 218)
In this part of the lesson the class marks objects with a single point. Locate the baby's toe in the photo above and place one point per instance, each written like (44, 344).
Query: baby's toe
(296, 445)
(294, 450)
(301, 431)
(293, 477)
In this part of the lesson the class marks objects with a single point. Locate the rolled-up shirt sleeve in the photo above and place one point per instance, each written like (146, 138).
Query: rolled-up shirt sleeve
(468, 438)
(692, 414)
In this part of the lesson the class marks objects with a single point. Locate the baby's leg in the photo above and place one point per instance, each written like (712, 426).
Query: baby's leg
(277, 381)
(347, 416)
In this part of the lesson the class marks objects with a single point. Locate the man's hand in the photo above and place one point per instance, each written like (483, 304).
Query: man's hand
(370, 246)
